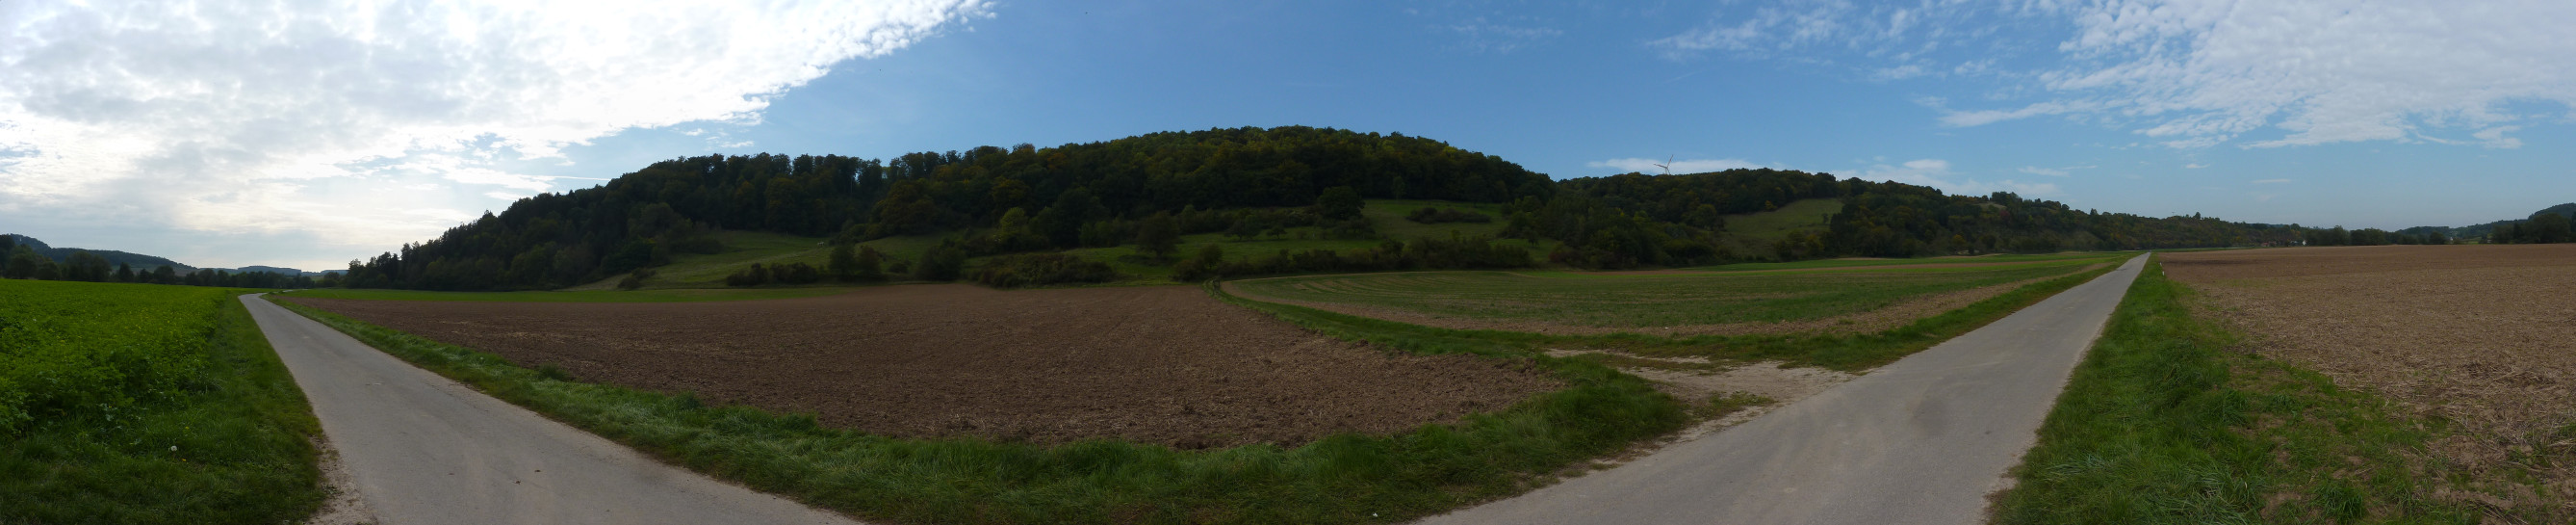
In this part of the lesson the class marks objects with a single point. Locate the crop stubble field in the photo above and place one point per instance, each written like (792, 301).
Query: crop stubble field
(1671, 303)
(2483, 337)
(1164, 365)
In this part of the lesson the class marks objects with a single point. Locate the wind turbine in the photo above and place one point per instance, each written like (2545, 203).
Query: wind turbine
(1667, 165)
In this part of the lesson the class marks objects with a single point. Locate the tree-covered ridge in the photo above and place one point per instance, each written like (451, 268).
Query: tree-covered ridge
(1246, 182)
(639, 219)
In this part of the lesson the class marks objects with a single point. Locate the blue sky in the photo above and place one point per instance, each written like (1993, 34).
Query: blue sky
(237, 143)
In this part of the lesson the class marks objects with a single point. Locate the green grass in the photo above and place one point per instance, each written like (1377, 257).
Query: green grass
(1847, 352)
(680, 295)
(1388, 216)
(1636, 301)
(745, 248)
(1340, 479)
(149, 404)
(2164, 423)
(1751, 234)
(1874, 263)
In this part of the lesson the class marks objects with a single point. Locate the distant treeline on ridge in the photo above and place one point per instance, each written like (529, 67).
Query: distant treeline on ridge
(1032, 199)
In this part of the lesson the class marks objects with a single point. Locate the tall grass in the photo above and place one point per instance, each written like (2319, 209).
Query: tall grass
(147, 404)
(1340, 479)
(2163, 423)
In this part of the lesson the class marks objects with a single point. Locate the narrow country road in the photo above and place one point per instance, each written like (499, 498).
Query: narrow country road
(1922, 440)
(426, 450)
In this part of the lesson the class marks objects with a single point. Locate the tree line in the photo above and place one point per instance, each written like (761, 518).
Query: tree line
(23, 262)
(1245, 182)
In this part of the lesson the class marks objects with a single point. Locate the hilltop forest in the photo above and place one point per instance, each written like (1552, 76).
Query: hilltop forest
(1145, 190)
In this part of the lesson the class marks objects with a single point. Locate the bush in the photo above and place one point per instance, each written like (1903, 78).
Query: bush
(1430, 215)
(635, 280)
(1041, 269)
(942, 263)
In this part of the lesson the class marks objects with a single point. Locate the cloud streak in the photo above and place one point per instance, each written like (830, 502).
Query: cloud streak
(1642, 165)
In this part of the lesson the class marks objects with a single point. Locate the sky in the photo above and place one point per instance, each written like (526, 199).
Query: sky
(306, 134)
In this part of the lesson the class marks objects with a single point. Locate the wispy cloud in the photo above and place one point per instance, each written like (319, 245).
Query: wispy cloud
(1480, 35)
(1642, 165)
(2194, 166)
(1936, 173)
(2052, 172)
(2270, 181)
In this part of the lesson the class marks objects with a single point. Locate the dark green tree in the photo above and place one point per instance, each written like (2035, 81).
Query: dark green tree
(1339, 203)
(2546, 228)
(1158, 236)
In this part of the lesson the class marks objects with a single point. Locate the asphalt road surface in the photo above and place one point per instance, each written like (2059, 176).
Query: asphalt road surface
(1922, 440)
(422, 449)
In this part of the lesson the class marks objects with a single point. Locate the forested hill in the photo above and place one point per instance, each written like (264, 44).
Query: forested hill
(1026, 198)
(135, 260)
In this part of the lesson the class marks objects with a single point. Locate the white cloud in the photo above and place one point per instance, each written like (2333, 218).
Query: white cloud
(2200, 73)
(1481, 36)
(264, 117)
(2194, 166)
(2271, 181)
(1936, 174)
(1678, 167)
(2052, 172)
(1984, 117)
(2208, 71)
(2494, 137)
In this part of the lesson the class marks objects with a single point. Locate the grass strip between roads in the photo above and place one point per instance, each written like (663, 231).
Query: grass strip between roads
(1847, 352)
(2165, 423)
(210, 428)
(1340, 479)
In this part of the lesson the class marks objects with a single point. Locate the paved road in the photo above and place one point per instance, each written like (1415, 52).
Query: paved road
(1922, 440)
(425, 450)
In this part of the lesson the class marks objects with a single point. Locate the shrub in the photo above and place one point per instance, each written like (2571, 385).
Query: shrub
(1041, 269)
(1431, 215)
(942, 263)
(635, 280)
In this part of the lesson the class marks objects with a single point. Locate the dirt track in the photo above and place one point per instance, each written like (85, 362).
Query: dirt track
(1160, 365)
(2483, 336)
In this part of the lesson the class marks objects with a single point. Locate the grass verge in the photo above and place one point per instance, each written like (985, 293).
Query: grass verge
(1847, 352)
(2163, 423)
(1340, 479)
(228, 439)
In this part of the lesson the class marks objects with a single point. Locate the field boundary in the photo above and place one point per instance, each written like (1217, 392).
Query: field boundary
(1346, 478)
(2168, 420)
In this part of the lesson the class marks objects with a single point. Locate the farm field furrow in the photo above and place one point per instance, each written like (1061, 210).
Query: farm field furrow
(1163, 365)
(1682, 303)
(2475, 336)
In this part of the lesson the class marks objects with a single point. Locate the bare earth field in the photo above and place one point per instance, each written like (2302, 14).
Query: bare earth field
(1162, 365)
(2482, 336)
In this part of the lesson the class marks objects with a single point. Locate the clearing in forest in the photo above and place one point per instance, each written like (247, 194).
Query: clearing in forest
(2478, 336)
(1165, 365)
(1659, 303)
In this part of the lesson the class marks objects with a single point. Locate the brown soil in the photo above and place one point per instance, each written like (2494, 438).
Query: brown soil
(1892, 317)
(2483, 336)
(1162, 365)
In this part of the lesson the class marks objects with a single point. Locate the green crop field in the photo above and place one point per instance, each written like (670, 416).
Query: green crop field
(1633, 300)
(1869, 263)
(134, 403)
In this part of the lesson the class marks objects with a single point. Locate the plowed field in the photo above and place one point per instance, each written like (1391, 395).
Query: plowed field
(2482, 336)
(1158, 365)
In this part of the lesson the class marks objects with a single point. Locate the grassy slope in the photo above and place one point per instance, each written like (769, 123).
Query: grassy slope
(2164, 423)
(235, 445)
(1340, 479)
(745, 248)
(1751, 234)
(1643, 300)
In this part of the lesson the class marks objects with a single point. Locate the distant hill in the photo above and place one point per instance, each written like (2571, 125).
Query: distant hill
(137, 260)
(2568, 210)
(274, 269)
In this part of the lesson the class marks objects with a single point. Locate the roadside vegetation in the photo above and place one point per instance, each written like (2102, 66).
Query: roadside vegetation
(131, 403)
(1347, 478)
(2166, 421)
